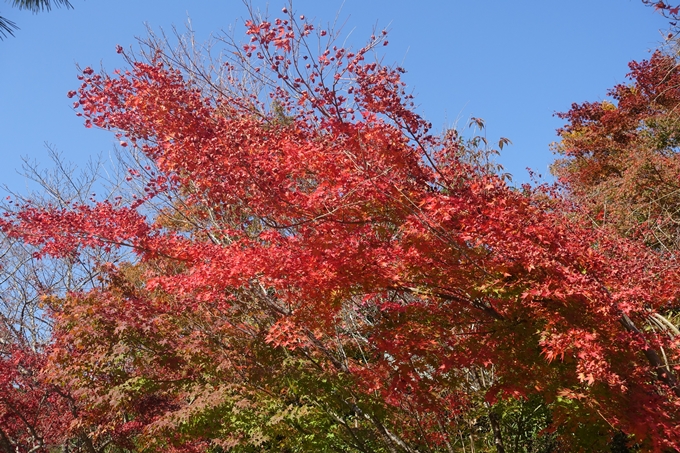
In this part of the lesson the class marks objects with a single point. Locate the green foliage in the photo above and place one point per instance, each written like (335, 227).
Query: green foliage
(527, 426)
(7, 27)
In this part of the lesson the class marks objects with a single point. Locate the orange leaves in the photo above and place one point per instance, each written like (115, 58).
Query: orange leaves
(620, 160)
(323, 229)
(286, 334)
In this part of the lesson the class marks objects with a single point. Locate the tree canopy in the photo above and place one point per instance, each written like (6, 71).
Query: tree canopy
(306, 266)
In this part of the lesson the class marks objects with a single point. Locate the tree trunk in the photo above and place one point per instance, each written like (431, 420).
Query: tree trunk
(496, 428)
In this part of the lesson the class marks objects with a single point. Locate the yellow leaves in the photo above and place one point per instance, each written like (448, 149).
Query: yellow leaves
(607, 106)
(50, 301)
(257, 437)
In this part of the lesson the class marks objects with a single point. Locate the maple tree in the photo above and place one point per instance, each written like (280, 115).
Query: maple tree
(37, 414)
(667, 9)
(314, 270)
(25, 395)
(24, 402)
(620, 157)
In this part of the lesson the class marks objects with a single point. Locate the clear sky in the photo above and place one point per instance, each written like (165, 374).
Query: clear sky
(512, 63)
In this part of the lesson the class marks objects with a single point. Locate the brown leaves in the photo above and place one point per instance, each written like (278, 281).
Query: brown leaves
(323, 251)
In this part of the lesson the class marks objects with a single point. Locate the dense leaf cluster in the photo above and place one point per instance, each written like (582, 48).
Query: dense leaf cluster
(314, 270)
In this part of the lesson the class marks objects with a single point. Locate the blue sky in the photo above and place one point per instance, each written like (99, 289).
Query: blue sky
(512, 63)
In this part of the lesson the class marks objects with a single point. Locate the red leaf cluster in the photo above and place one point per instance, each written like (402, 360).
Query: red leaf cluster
(323, 253)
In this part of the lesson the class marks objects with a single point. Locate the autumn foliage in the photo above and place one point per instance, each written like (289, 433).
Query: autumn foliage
(315, 270)
(620, 157)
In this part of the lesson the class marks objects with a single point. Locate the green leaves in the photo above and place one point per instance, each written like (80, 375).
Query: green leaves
(40, 5)
(325, 275)
(7, 27)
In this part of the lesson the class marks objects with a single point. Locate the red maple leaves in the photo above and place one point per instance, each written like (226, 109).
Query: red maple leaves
(320, 254)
